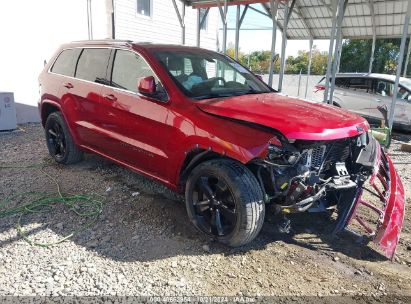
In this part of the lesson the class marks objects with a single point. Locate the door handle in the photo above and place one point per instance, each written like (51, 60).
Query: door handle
(110, 97)
(68, 85)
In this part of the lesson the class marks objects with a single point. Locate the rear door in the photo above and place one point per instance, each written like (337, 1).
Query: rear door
(354, 94)
(62, 75)
(382, 95)
(81, 95)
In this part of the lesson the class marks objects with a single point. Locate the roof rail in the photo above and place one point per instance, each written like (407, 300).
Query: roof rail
(104, 40)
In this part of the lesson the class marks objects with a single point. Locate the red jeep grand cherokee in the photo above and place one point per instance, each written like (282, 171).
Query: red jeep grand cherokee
(203, 124)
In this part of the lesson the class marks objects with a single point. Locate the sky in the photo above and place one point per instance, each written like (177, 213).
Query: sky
(256, 40)
(30, 33)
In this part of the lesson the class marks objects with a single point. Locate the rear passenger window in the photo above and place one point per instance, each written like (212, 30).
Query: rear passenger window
(341, 82)
(65, 63)
(360, 84)
(92, 65)
(127, 69)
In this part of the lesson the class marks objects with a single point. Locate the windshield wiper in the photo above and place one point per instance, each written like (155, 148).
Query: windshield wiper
(229, 94)
(213, 95)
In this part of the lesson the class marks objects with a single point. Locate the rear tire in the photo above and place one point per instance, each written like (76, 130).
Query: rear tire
(60, 142)
(225, 201)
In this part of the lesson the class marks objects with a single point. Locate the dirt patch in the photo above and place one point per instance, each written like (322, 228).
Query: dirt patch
(143, 243)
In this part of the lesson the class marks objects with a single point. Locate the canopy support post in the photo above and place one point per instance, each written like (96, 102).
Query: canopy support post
(181, 17)
(239, 22)
(198, 28)
(399, 64)
(200, 23)
(89, 20)
(273, 10)
(223, 15)
(407, 59)
(330, 51)
(310, 59)
(183, 27)
(237, 32)
(287, 13)
(374, 36)
(338, 44)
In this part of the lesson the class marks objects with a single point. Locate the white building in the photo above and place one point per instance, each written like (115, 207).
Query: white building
(157, 21)
(33, 30)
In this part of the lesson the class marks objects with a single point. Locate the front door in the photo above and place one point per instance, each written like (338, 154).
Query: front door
(383, 91)
(137, 128)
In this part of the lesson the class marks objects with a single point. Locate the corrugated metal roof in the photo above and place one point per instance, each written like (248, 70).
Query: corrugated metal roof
(313, 18)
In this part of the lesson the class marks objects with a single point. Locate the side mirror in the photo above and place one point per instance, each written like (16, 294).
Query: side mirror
(147, 85)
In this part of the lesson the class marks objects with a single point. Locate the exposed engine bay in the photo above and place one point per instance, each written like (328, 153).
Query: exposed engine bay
(307, 175)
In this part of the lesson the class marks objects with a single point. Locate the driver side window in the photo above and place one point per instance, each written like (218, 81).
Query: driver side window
(383, 88)
(128, 67)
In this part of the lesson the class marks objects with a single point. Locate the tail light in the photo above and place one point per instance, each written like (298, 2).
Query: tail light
(319, 87)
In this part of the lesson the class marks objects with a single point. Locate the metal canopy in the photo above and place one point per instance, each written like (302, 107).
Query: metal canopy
(313, 18)
(321, 19)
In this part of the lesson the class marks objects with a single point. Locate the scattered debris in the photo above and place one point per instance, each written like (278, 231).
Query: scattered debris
(206, 248)
(406, 147)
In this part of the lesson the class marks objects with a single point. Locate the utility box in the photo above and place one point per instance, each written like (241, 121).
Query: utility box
(8, 120)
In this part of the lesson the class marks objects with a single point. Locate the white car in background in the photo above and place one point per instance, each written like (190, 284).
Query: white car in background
(364, 93)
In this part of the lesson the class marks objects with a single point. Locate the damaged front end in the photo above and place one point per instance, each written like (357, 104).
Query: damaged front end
(321, 176)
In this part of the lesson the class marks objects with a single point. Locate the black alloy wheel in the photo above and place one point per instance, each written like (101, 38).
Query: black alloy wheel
(214, 206)
(56, 140)
(224, 201)
(59, 140)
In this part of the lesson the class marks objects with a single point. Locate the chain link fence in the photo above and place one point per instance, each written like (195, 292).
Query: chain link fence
(295, 84)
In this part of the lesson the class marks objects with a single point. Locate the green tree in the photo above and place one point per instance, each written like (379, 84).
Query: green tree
(355, 56)
(300, 62)
(356, 53)
(319, 62)
(259, 61)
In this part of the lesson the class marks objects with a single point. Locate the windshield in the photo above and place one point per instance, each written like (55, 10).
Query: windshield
(204, 74)
(406, 83)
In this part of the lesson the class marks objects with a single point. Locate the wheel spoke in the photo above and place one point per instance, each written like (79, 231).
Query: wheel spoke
(214, 205)
(57, 128)
(205, 188)
(204, 203)
(216, 226)
(202, 206)
(52, 133)
(228, 214)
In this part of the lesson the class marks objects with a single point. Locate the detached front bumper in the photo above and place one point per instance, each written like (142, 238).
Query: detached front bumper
(388, 188)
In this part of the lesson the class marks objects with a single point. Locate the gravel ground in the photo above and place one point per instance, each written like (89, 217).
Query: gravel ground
(143, 244)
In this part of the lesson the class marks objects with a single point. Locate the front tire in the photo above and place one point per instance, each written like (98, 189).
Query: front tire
(225, 201)
(60, 142)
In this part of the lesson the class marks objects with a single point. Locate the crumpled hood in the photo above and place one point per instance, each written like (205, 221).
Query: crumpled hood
(294, 118)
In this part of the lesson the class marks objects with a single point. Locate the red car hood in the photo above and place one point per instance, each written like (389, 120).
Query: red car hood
(294, 118)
